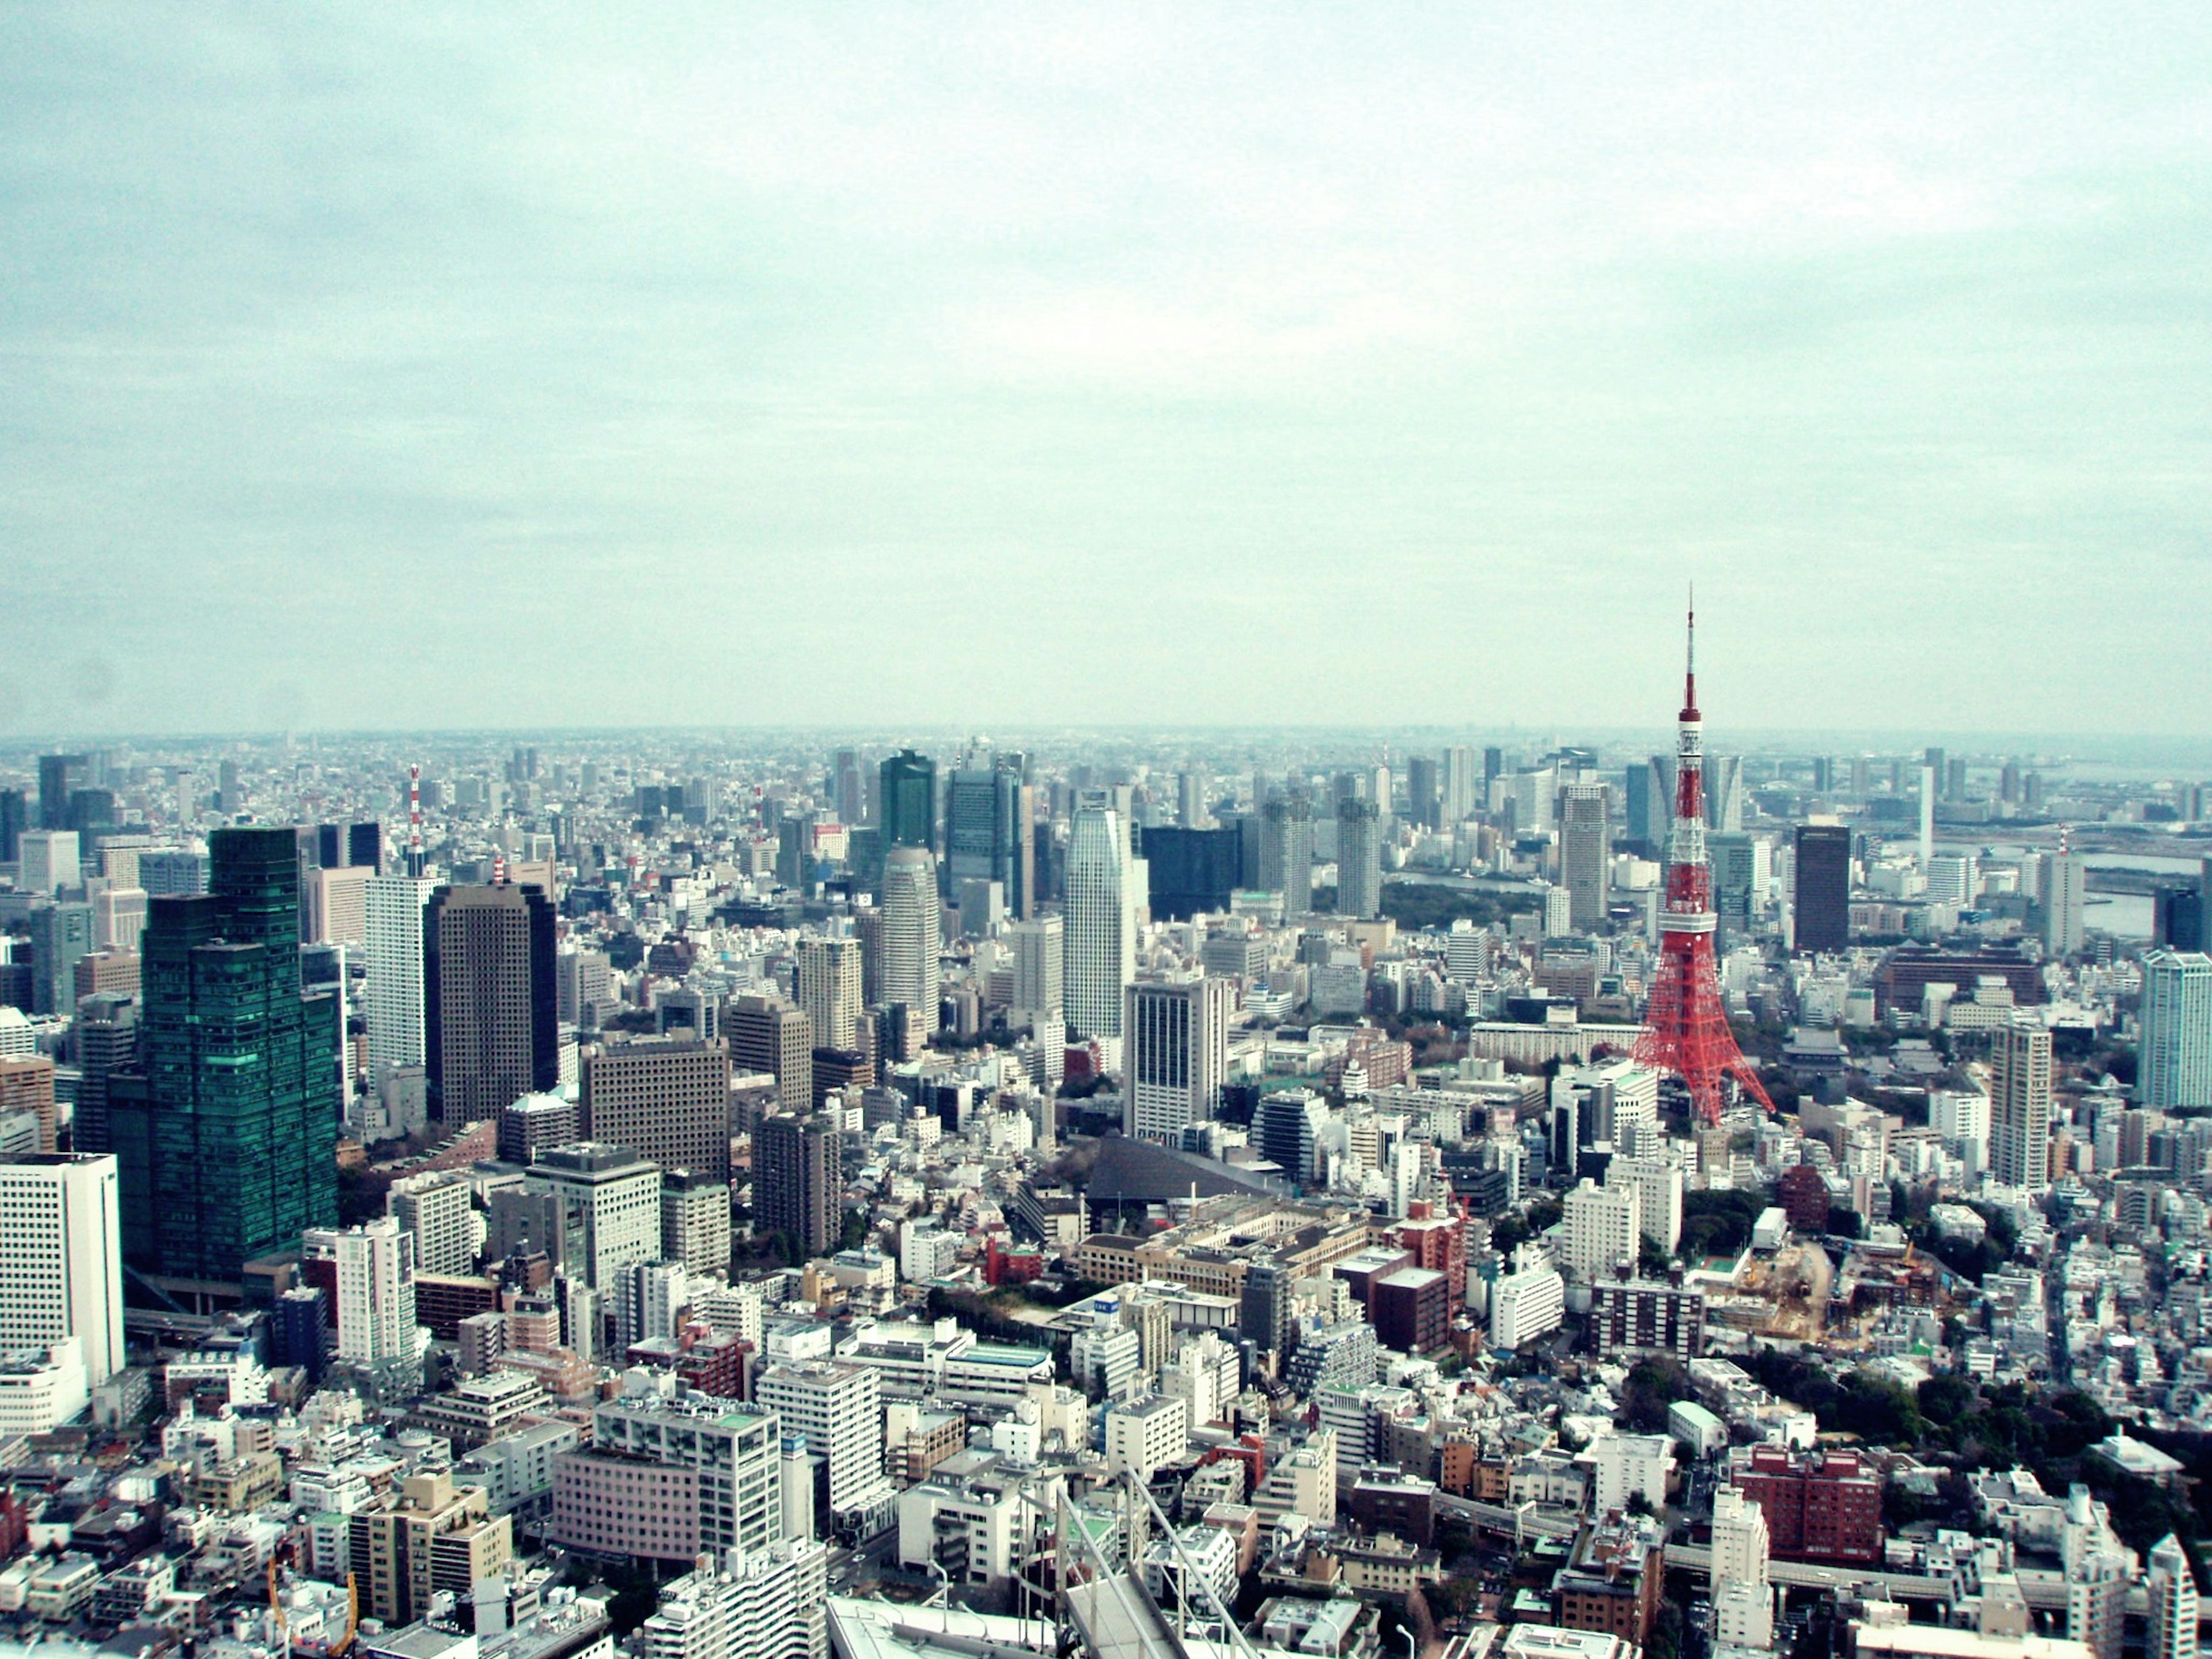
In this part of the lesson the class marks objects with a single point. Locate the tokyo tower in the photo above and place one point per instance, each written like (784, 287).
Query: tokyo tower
(1686, 1028)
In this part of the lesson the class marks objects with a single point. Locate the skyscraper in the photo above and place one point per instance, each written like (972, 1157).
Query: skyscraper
(830, 984)
(1175, 1055)
(1193, 870)
(1586, 852)
(1463, 784)
(61, 1243)
(392, 920)
(912, 933)
(2063, 881)
(1286, 850)
(906, 800)
(60, 777)
(1359, 859)
(607, 1206)
(61, 937)
(1724, 793)
(988, 816)
(1647, 798)
(797, 1180)
(1099, 922)
(666, 1097)
(1423, 792)
(48, 861)
(2019, 1105)
(1822, 905)
(1038, 968)
(226, 1128)
(768, 1035)
(489, 993)
(2176, 1064)
(106, 1037)
(1191, 801)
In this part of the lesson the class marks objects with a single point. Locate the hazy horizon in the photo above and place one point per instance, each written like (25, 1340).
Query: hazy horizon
(991, 366)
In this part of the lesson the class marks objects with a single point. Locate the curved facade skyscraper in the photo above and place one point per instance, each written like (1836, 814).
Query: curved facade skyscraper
(1099, 932)
(911, 934)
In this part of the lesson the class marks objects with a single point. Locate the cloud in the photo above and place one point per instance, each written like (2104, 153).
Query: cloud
(1241, 363)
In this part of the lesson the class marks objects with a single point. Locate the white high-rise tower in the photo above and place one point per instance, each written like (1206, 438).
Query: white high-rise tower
(1100, 923)
(912, 934)
(60, 1237)
(392, 1003)
(2019, 1105)
(2176, 1029)
(830, 988)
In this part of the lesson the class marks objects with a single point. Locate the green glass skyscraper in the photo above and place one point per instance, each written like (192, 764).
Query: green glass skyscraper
(906, 799)
(225, 1129)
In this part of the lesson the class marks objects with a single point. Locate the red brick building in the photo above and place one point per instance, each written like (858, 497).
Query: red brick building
(1820, 1506)
(1802, 1193)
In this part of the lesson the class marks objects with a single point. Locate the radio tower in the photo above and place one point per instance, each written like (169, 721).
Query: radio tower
(1685, 1029)
(414, 820)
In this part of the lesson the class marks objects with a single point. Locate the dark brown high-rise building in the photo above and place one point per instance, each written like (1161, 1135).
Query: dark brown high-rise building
(106, 1036)
(798, 1181)
(1823, 903)
(667, 1098)
(766, 1033)
(488, 997)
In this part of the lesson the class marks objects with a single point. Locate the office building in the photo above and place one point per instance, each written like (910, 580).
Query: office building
(1359, 859)
(732, 1449)
(1604, 1228)
(906, 801)
(768, 1035)
(1724, 793)
(435, 1540)
(61, 937)
(60, 777)
(2019, 1105)
(1585, 853)
(437, 1210)
(1286, 850)
(838, 1407)
(487, 994)
(170, 873)
(535, 1122)
(989, 812)
(106, 1038)
(1193, 871)
(1099, 923)
(1734, 860)
(48, 861)
(338, 904)
(1288, 1128)
(584, 986)
(226, 1128)
(392, 911)
(759, 1604)
(2174, 1069)
(1821, 905)
(607, 1207)
(830, 989)
(1039, 949)
(1648, 802)
(27, 1091)
(911, 936)
(799, 1181)
(61, 1239)
(118, 917)
(1175, 1055)
(665, 1099)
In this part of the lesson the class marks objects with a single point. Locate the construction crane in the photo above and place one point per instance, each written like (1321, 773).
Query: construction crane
(320, 1650)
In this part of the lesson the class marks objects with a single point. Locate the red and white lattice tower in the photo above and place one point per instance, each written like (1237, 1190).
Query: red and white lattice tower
(415, 862)
(1686, 1028)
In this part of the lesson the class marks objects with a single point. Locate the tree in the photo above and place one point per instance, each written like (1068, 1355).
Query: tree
(1654, 1384)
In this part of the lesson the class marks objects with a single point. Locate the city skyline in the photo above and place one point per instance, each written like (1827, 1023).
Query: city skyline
(1457, 347)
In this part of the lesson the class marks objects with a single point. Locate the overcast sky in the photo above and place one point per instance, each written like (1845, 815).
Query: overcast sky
(935, 363)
